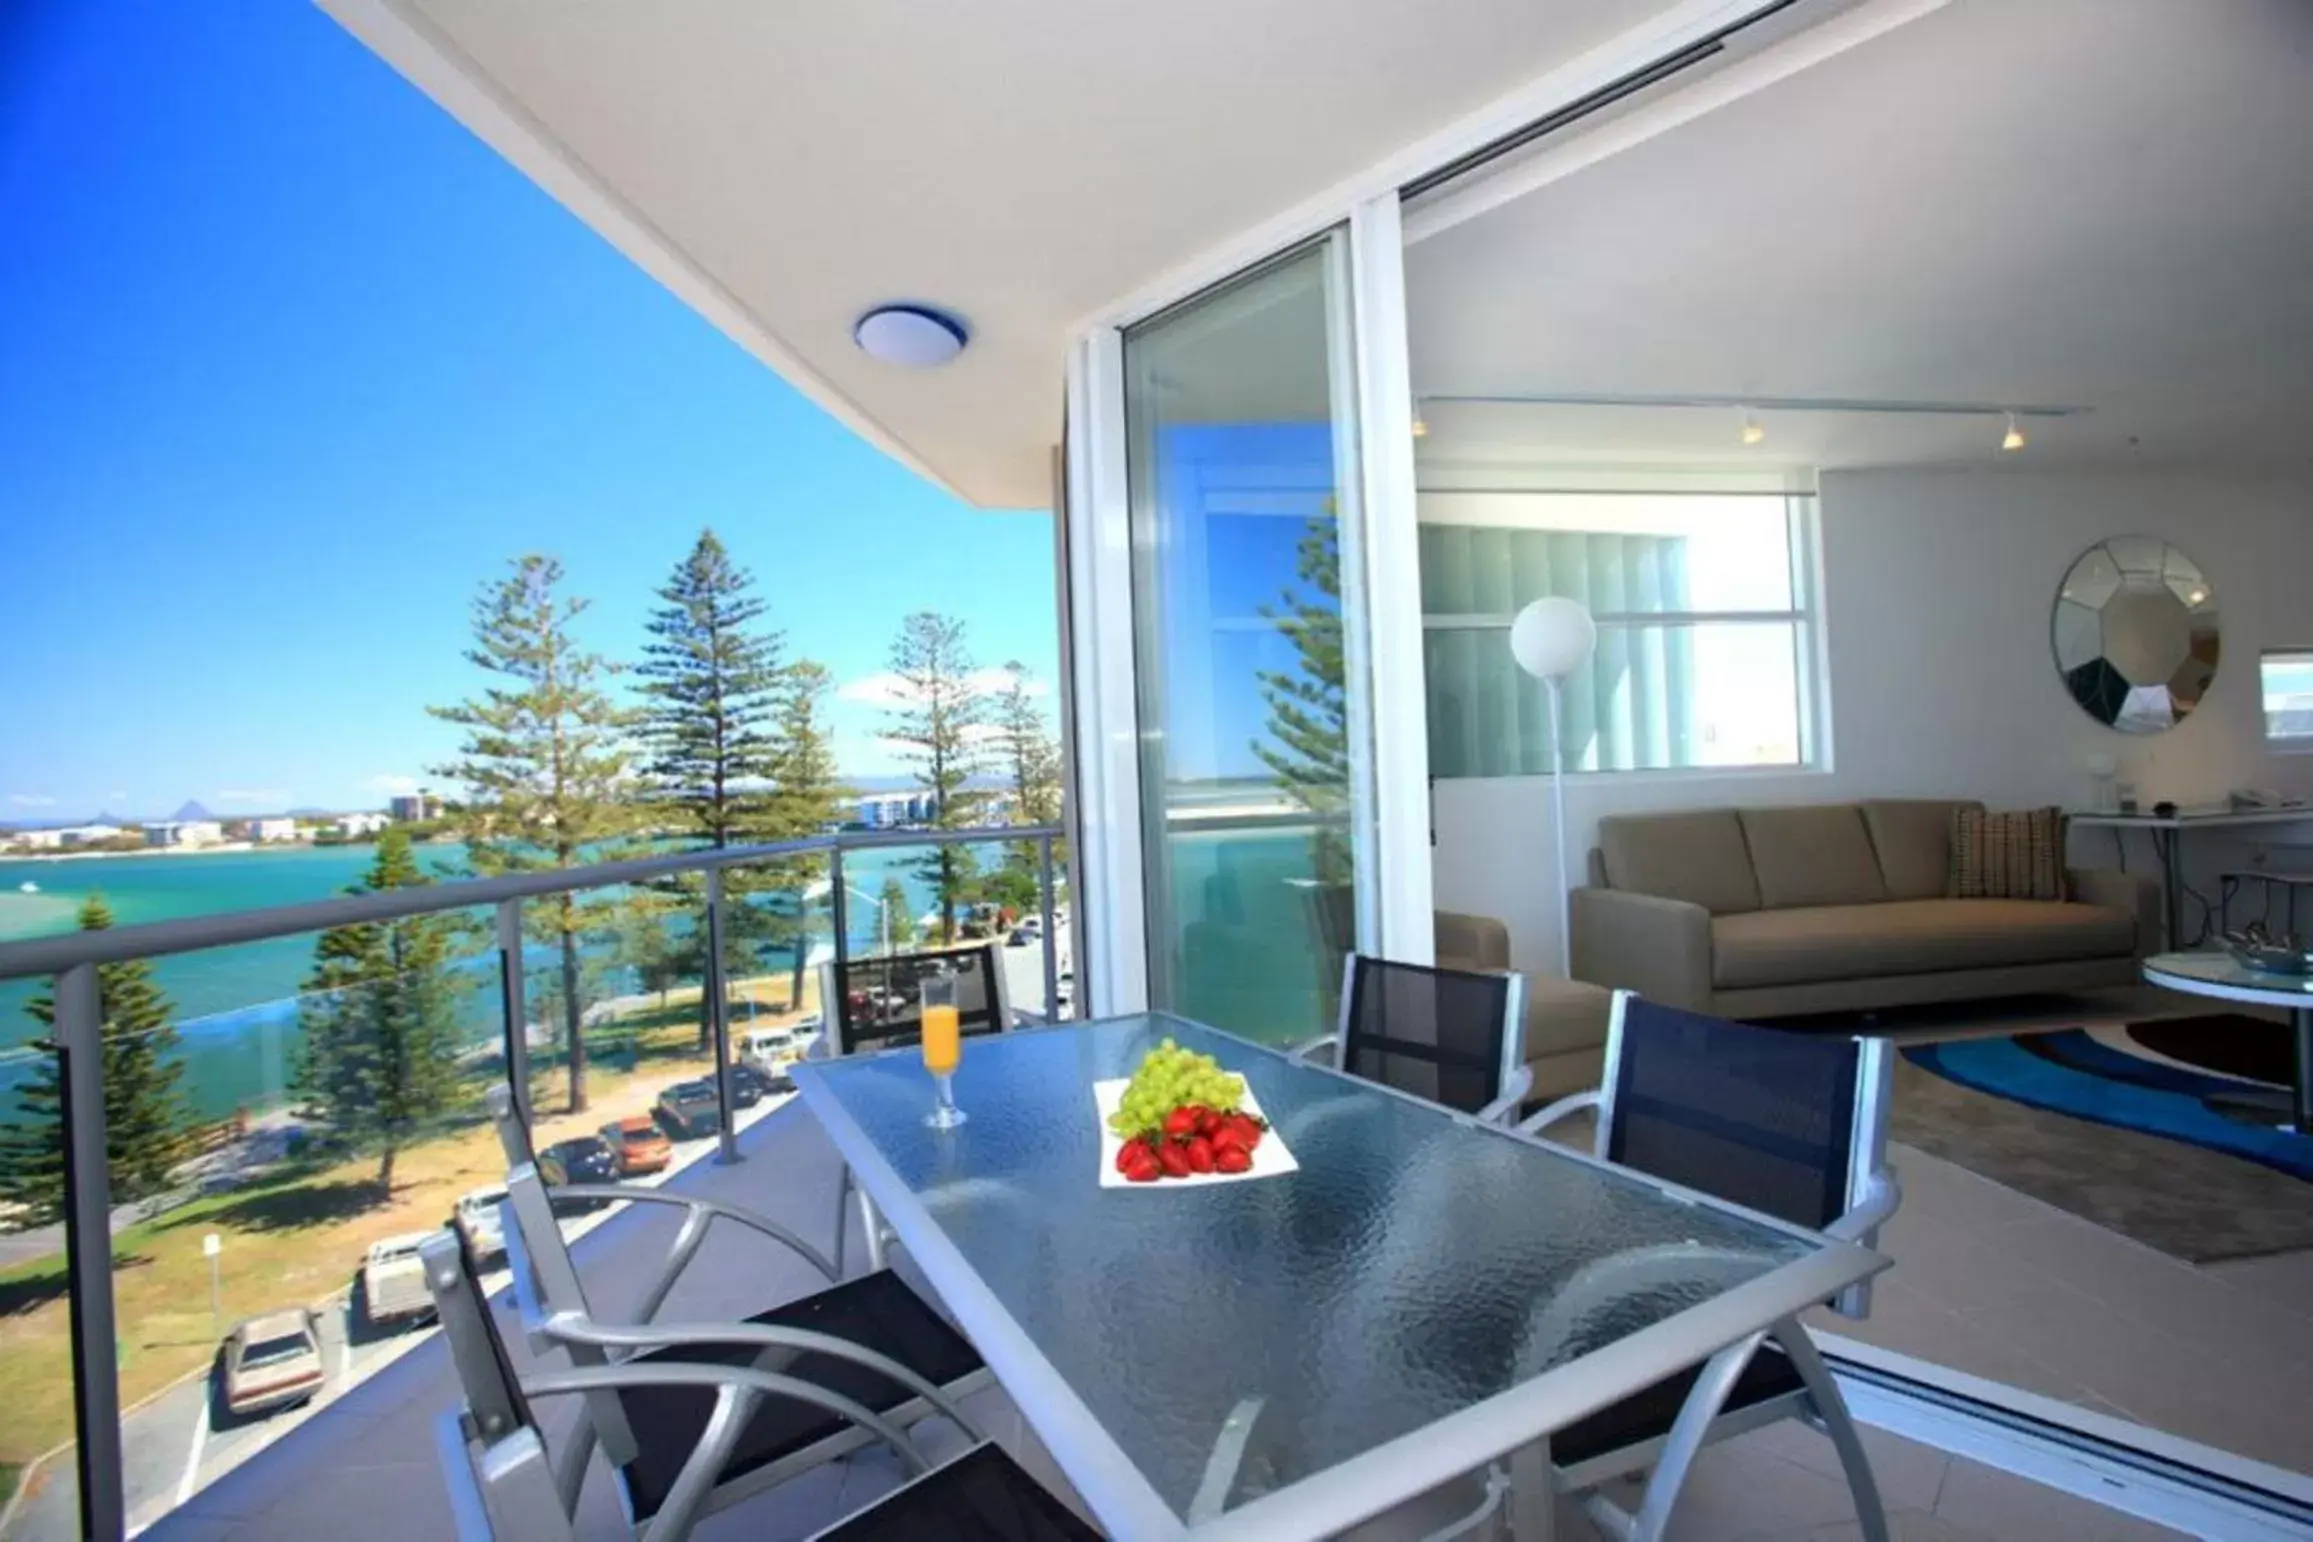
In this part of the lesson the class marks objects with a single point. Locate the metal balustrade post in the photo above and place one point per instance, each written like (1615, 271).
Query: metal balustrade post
(1051, 937)
(719, 1021)
(78, 1034)
(515, 1009)
(838, 918)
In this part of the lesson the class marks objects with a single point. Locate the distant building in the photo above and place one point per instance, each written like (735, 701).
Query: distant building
(355, 826)
(262, 830)
(86, 835)
(36, 840)
(184, 832)
(416, 805)
(893, 810)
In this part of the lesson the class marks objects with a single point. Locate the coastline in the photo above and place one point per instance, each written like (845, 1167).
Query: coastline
(220, 849)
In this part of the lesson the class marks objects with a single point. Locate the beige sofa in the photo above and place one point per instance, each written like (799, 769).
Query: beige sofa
(1565, 1019)
(1834, 907)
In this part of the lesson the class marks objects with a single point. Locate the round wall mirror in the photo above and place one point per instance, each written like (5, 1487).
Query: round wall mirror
(2136, 634)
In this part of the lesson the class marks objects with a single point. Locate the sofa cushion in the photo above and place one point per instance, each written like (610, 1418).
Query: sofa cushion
(1817, 854)
(1698, 857)
(1913, 839)
(2008, 856)
(1861, 942)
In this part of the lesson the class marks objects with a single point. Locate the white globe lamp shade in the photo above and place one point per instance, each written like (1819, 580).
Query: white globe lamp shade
(1552, 638)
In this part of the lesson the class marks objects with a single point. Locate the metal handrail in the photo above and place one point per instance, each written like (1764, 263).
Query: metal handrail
(151, 939)
(77, 1034)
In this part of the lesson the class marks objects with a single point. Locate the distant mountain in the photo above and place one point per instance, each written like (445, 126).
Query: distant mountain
(191, 810)
(103, 818)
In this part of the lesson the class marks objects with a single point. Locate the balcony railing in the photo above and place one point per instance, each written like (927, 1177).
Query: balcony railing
(73, 959)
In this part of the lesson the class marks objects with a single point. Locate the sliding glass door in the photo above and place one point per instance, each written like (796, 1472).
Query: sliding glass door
(1254, 748)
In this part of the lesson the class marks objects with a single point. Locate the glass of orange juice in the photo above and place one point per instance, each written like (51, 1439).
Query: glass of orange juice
(943, 1047)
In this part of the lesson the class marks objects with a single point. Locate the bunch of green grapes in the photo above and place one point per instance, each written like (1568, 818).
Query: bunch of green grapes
(1171, 1077)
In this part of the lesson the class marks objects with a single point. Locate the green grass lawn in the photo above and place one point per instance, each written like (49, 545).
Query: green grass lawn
(300, 1236)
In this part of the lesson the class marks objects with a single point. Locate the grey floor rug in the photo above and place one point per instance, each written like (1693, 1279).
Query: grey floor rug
(2189, 1203)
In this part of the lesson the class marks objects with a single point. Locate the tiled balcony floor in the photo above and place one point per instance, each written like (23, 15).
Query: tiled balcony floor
(365, 1467)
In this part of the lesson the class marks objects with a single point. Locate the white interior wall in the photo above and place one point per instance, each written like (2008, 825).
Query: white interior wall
(1937, 591)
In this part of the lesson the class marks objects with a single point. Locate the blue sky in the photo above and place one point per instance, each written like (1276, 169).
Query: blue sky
(292, 363)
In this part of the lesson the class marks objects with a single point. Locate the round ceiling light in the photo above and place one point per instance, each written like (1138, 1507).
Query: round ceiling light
(916, 336)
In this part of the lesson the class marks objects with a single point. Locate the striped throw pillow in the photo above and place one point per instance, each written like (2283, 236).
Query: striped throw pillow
(2007, 856)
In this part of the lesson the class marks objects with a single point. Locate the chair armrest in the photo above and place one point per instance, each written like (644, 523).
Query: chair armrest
(1309, 1051)
(2136, 893)
(1660, 948)
(1878, 1207)
(704, 1209)
(1505, 1108)
(1566, 1107)
(1480, 944)
(571, 1328)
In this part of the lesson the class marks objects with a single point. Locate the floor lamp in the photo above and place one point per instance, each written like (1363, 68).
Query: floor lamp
(1551, 639)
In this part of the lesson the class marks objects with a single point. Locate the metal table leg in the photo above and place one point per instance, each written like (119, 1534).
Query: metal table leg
(2164, 842)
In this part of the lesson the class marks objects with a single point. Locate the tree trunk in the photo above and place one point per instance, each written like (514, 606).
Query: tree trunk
(573, 1021)
(385, 1170)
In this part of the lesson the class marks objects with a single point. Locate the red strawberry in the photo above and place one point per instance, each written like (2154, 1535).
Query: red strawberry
(1232, 1159)
(1207, 1120)
(1181, 1122)
(1200, 1153)
(1175, 1157)
(1145, 1170)
(1132, 1151)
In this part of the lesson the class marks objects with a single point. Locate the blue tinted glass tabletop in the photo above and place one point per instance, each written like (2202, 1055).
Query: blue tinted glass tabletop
(1416, 1266)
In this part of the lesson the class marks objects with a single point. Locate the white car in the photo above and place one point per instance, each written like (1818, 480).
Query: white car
(481, 1223)
(393, 1281)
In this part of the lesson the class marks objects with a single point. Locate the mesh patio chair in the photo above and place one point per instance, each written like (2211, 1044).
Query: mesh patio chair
(1789, 1124)
(872, 1004)
(504, 1487)
(1448, 1035)
(871, 1340)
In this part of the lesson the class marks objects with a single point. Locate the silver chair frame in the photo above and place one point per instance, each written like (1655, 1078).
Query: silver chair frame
(1516, 1077)
(555, 1314)
(1873, 1193)
(502, 1484)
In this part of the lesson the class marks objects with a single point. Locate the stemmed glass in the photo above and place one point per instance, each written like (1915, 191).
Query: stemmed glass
(943, 1043)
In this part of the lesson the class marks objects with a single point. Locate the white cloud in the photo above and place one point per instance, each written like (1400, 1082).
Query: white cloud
(392, 785)
(995, 682)
(31, 800)
(269, 796)
(115, 796)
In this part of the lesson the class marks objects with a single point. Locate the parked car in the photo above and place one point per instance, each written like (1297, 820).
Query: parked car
(768, 1049)
(583, 1159)
(751, 1085)
(641, 1146)
(689, 1110)
(481, 1223)
(393, 1282)
(272, 1361)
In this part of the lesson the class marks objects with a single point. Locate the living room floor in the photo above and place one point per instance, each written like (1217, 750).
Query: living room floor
(1999, 1284)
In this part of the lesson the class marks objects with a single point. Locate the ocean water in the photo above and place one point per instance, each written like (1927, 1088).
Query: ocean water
(236, 1008)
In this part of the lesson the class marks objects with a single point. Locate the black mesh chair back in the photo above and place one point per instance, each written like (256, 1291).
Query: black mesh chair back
(1442, 1034)
(1763, 1117)
(877, 1003)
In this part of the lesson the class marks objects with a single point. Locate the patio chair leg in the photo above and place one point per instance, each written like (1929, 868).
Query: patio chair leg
(1687, 1434)
(1838, 1424)
(871, 1222)
(1533, 1496)
(842, 1220)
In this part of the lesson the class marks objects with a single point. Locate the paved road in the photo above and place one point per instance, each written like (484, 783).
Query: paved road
(183, 1440)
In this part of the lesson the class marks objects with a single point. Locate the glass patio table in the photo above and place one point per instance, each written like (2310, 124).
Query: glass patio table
(1288, 1356)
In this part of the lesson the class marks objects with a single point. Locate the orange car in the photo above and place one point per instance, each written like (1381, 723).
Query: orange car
(641, 1146)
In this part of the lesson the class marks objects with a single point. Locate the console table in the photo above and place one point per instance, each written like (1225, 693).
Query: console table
(2167, 832)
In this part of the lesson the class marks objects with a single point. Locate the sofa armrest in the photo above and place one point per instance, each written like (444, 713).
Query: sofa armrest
(1660, 948)
(2136, 893)
(1471, 942)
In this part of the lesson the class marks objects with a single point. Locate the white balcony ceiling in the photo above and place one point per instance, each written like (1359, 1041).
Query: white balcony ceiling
(2101, 203)
(1023, 162)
